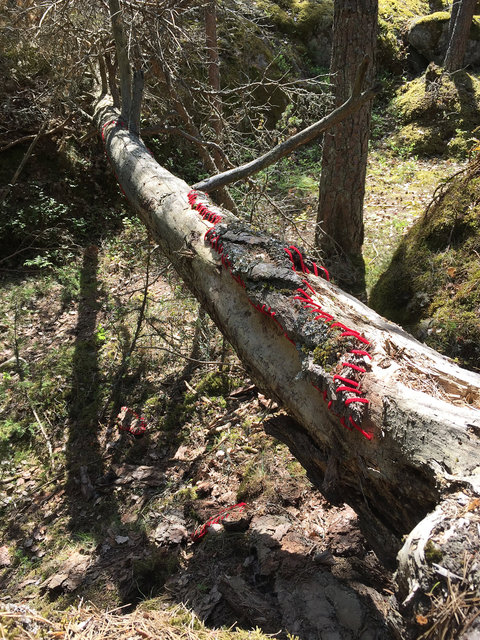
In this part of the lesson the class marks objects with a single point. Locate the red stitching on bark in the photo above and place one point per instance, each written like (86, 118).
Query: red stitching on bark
(309, 286)
(327, 275)
(362, 400)
(349, 389)
(354, 366)
(291, 259)
(346, 380)
(140, 430)
(367, 435)
(354, 334)
(302, 264)
(304, 298)
(361, 352)
(343, 423)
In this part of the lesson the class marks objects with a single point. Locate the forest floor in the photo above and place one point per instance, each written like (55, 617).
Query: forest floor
(97, 524)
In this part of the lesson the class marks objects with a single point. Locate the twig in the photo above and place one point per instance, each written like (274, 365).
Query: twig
(4, 193)
(45, 435)
(119, 36)
(32, 136)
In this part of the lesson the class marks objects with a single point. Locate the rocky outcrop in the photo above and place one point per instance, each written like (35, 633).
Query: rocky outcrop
(429, 37)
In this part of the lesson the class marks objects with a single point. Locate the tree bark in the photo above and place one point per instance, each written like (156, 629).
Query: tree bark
(411, 415)
(214, 77)
(122, 57)
(339, 232)
(459, 28)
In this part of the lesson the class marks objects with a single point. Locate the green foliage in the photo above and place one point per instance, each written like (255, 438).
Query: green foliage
(298, 18)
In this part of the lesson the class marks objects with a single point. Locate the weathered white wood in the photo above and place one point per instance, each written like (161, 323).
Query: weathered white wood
(424, 410)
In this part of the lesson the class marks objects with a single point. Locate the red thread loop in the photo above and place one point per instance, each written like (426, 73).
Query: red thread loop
(361, 352)
(201, 531)
(302, 264)
(354, 367)
(369, 436)
(340, 325)
(346, 380)
(354, 334)
(135, 431)
(349, 389)
(362, 400)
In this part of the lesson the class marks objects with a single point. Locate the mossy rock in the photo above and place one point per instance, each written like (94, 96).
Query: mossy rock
(432, 286)
(429, 36)
(437, 113)
(394, 19)
(298, 18)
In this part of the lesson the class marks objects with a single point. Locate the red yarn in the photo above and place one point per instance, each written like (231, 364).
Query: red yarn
(303, 297)
(140, 430)
(201, 531)
(346, 380)
(349, 389)
(350, 400)
(361, 352)
(354, 367)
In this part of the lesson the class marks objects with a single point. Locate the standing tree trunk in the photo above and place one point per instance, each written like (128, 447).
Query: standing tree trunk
(214, 76)
(339, 232)
(459, 28)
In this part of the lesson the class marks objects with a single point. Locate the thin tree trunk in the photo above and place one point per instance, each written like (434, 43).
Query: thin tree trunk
(339, 232)
(214, 77)
(119, 36)
(459, 27)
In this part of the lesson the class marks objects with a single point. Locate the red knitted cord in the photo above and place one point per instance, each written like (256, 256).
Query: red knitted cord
(303, 297)
(354, 334)
(346, 380)
(349, 389)
(361, 352)
(202, 530)
(355, 367)
(140, 430)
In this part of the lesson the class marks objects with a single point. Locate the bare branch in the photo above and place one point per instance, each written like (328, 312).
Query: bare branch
(285, 148)
(8, 188)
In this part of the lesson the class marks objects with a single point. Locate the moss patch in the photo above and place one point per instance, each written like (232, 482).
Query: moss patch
(432, 284)
(394, 18)
(298, 17)
(437, 117)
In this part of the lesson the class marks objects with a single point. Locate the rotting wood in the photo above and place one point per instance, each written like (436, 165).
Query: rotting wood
(423, 411)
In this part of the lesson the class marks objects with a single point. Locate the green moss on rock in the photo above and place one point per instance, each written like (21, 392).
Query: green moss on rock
(298, 17)
(432, 286)
(394, 18)
(437, 117)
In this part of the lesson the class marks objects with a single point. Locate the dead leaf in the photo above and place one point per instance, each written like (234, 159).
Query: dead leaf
(421, 619)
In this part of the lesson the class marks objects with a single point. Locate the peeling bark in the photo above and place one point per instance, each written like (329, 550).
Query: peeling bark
(415, 433)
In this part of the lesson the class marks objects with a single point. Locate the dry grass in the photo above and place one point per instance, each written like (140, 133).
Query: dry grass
(87, 622)
(452, 614)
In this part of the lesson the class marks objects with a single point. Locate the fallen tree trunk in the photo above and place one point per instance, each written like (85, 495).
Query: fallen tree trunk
(378, 419)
